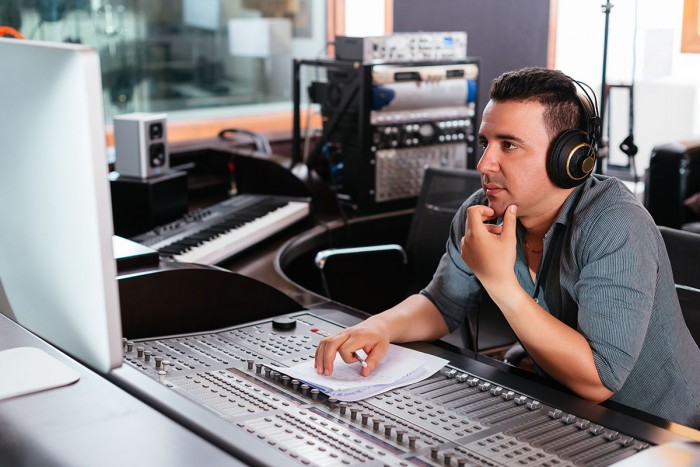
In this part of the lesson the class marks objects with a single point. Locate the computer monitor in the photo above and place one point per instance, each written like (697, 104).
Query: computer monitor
(57, 269)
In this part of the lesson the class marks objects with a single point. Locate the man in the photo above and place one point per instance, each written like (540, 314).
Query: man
(574, 262)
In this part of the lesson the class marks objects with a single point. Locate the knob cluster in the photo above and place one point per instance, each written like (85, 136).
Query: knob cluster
(420, 134)
(144, 358)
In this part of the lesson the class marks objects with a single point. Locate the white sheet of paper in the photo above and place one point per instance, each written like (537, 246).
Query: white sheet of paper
(400, 366)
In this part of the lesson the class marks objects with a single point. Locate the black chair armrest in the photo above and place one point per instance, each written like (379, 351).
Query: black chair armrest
(369, 278)
(323, 255)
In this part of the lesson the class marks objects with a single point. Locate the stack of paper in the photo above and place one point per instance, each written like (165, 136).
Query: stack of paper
(400, 366)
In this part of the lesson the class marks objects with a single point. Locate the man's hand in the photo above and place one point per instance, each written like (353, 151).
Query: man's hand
(489, 250)
(414, 319)
(368, 336)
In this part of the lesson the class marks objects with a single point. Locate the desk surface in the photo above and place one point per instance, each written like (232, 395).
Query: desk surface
(91, 422)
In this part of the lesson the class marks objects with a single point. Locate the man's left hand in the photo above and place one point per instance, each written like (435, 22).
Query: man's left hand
(489, 250)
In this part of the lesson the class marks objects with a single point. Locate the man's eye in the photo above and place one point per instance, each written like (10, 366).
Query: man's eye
(509, 145)
(482, 143)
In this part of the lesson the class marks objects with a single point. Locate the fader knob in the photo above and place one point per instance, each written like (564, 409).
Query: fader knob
(284, 323)
(568, 419)
(533, 405)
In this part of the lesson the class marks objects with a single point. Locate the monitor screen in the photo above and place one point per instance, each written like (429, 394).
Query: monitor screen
(57, 269)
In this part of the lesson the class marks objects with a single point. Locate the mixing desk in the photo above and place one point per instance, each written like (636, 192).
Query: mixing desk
(460, 416)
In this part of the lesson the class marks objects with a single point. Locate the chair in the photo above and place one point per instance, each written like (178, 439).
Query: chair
(684, 252)
(358, 276)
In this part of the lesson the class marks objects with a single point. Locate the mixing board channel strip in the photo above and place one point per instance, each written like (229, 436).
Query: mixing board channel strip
(453, 418)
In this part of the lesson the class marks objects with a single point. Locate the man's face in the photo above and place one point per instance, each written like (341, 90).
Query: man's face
(513, 166)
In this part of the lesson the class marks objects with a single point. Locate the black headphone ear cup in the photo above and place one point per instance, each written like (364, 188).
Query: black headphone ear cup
(571, 159)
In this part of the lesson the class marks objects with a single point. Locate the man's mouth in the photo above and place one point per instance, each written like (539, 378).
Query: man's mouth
(492, 189)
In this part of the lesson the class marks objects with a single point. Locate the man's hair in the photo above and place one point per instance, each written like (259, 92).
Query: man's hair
(551, 88)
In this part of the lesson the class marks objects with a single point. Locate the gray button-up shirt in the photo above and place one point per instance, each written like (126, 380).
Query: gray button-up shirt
(605, 272)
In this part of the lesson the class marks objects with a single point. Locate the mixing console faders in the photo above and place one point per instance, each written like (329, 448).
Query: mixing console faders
(453, 418)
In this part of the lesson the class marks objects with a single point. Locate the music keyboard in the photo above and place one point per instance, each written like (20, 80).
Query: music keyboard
(213, 234)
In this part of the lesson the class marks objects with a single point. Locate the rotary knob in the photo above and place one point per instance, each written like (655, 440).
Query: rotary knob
(284, 323)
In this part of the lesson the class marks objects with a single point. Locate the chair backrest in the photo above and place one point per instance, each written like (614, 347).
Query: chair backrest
(684, 252)
(442, 193)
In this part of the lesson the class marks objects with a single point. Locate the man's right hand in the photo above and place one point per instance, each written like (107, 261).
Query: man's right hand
(369, 336)
(414, 319)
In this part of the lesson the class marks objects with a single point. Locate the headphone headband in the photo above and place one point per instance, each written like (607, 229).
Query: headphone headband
(589, 104)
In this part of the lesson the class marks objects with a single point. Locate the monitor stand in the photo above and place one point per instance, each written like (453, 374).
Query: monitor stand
(26, 370)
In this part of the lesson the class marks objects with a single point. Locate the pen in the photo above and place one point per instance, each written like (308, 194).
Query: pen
(361, 356)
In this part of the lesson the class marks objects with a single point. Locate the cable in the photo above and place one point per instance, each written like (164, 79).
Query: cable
(8, 31)
(36, 29)
(261, 143)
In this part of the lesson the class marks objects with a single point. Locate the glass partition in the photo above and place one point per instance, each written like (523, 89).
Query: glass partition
(189, 58)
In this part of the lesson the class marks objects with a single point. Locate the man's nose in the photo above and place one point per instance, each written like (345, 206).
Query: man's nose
(488, 161)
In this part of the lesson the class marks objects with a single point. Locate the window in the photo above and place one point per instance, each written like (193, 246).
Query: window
(189, 58)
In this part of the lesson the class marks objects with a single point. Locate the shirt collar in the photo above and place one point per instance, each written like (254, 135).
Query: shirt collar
(569, 205)
(567, 209)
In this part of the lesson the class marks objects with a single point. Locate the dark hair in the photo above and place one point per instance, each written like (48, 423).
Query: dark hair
(552, 88)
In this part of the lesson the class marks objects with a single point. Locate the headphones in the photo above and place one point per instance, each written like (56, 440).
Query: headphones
(572, 156)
